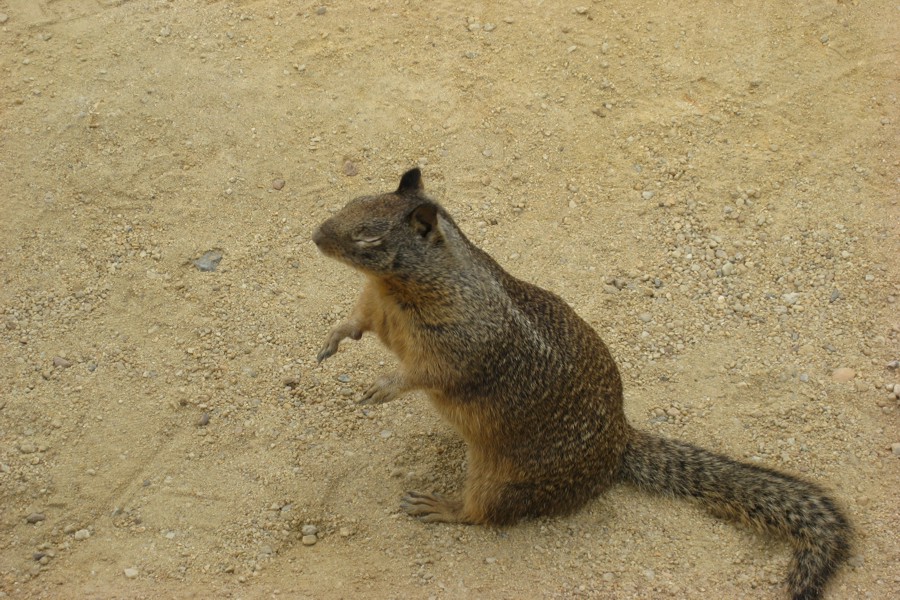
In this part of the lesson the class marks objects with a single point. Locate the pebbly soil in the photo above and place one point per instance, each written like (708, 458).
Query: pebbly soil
(712, 185)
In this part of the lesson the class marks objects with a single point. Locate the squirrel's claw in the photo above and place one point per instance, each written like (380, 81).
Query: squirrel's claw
(326, 352)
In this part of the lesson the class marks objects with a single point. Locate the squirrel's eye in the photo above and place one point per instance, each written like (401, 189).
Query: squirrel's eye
(367, 241)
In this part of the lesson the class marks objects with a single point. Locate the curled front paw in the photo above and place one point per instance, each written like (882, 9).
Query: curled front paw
(387, 388)
(348, 329)
(327, 350)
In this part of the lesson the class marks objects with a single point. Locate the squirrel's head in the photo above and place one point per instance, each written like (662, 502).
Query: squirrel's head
(400, 234)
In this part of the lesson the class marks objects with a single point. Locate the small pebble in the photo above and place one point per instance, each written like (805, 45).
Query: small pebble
(309, 540)
(278, 184)
(203, 421)
(3, 18)
(35, 518)
(309, 530)
(131, 572)
(27, 448)
(843, 374)
(343, 378)
(350, 168)
(82, 534)
(727, 269)
(209, 261)
(59, 361)
(790, 299)
(895, 448)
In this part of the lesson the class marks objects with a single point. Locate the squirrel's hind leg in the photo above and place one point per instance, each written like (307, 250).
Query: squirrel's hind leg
(493, 504)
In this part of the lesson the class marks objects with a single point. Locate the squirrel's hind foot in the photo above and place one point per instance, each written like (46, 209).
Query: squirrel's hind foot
(432, 508)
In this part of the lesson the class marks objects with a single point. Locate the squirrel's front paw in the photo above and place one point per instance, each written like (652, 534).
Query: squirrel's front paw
(347, 329)
(387, 388)
(327, 350)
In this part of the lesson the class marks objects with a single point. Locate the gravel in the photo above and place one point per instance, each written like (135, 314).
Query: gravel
(688, 295)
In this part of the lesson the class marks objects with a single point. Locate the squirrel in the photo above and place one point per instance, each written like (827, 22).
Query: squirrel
(534, 391)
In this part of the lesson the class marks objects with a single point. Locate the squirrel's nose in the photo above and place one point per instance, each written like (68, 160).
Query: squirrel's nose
(318, 237)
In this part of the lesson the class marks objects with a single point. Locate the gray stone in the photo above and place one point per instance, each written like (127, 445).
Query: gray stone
(209, 261)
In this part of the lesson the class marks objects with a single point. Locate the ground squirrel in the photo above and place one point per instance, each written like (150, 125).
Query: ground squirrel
(534, 391)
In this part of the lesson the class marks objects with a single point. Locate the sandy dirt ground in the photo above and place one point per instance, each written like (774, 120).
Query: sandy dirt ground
(712, 185)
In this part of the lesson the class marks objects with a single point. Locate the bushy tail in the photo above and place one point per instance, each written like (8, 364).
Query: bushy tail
(760, 497)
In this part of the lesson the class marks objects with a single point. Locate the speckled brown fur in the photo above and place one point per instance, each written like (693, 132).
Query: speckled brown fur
(534, 391)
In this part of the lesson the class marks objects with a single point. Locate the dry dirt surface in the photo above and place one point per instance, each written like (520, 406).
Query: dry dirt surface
(712, 185)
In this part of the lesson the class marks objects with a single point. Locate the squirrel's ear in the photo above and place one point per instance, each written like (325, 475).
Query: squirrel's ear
(411, 182)
(424, 219)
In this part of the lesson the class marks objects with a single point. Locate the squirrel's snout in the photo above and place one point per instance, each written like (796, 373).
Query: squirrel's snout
(318, 237)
